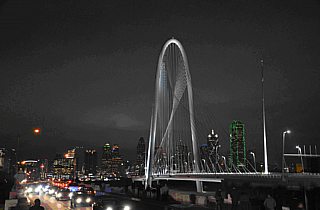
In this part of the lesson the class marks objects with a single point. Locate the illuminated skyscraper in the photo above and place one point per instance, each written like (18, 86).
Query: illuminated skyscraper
(64, 166)
(237, 144)
(117, 161)
(79, 155)
(106, 162)
(181, 156)
(90, 162)
(30, 168)
(8, 160)
(141, 156)
(112, 161)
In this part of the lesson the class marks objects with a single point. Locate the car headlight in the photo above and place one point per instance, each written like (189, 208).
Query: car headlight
(88, 200)
(109, 208)
(78, 200)
(126, 207)
(59, 195)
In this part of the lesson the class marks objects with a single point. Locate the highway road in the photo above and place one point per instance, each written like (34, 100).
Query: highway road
(50, 203)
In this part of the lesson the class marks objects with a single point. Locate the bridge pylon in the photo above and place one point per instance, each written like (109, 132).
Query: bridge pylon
(173, 85)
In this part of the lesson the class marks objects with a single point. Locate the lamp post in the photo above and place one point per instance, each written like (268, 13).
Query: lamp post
(299, 151)
(254, 160)
(189, 168)
(283, 141)
(204, 164)
(171, 163)
(225, 162)
(35, 131)
(266, 171)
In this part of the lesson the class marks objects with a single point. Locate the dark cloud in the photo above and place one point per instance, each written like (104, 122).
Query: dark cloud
(86, 69)
(111, 119)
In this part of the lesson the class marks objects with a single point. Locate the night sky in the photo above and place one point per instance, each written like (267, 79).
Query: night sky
(84, 71)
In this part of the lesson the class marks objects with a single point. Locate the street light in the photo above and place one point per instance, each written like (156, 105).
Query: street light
(283, 141)
(36, 132)
(204, 164)
(299, 151)
(225, 162)
(254, 160)
(189, 168)
(171, 162)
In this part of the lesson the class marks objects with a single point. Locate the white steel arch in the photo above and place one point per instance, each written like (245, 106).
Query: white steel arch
(153, 127)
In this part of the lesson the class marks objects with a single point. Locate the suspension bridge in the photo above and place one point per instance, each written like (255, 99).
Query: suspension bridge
(174, 152)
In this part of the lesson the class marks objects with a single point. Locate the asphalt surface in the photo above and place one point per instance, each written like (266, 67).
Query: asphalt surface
(50, 203)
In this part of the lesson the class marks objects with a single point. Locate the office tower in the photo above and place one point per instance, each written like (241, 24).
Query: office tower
(90, 162)
(141, 156)
(181, 159)
(117, 161)
(106, 161)
(237, 144)
(8, 160)
(79, 156)
(64, 165)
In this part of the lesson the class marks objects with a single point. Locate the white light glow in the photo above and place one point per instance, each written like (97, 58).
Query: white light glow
(126, 208)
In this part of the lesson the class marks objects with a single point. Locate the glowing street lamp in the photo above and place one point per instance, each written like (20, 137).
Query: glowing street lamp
(299, 151)
(283, 141)
(254, 159)
(204, 164)
(36, 131)
(225, 162)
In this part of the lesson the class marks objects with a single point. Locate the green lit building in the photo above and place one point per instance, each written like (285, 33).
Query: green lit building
(237, 144)
(106, 162)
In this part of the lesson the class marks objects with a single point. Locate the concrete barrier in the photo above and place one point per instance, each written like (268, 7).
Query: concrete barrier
(10, 203)
(184, 197)
(201, 200)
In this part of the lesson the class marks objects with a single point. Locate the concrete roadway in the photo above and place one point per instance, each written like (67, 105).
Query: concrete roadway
(50, 203)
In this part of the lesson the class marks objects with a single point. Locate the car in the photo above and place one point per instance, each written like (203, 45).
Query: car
(52, 191)
(63, 194)
(81, 198)
(87, 190)
(111, 203)
(33, 189)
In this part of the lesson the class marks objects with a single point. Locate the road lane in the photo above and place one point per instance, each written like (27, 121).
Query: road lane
(50, 203)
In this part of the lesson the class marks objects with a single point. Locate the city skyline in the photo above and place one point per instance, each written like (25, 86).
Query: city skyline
(87, 80)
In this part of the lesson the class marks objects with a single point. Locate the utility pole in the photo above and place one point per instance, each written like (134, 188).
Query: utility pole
(264, 124)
